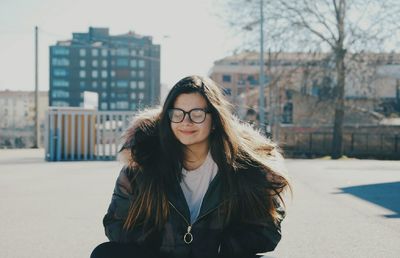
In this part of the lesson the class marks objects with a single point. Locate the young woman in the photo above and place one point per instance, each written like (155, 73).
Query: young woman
(197, 183)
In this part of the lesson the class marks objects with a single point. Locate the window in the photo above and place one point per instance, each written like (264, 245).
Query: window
(122, 52)
(112, 84)
(104, 52)
(226, 78)
(82, 63)
(133, 95)
(104, 63)
(133, 84)
(133, 73)
(95, 74)
(60, 94)
(103, 106)
(289, 94)
(141, 84)
(60, 72)
(95, 63)
(122, 95)
(112, 73)
(122, 84)
(122, 104)
(104, 95)
(287, 116)
(133, 52)
(112, 95)
(82, 74)
(141, 74)
(252, 80)
(112, 105)
(104, 84)
(141, 95)
(133, 63)
(60, 83)
(315, 90)
(141, 52)
(141, 63)
(94, 84)
(59, 103)
(95, 52)
(227, 91)
(82, 52)
(104, 74)
(133, 106)
(62, 51)
(122, 62)
(60, 61)
(82, 84)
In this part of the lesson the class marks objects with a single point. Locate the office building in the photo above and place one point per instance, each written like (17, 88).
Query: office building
(124, 70)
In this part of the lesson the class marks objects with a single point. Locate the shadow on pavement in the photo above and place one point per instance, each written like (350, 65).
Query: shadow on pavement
(386, 195)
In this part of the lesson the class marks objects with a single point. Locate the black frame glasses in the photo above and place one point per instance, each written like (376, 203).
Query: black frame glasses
(196, 115)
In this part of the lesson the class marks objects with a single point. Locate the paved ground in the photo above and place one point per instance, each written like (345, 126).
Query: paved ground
(346, 208)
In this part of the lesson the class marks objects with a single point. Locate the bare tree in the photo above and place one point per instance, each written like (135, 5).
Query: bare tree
(341, 27)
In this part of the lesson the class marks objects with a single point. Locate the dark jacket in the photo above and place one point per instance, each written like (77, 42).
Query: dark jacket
(207, 237)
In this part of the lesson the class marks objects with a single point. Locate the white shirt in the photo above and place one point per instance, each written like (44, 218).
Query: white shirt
(195, 183)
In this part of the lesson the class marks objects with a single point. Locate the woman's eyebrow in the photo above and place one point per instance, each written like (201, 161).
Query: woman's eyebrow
(191, 108)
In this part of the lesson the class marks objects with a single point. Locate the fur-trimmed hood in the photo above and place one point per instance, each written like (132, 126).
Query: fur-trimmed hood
(140, 141)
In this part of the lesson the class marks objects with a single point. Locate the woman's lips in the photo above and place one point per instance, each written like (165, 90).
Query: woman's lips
(187, 132)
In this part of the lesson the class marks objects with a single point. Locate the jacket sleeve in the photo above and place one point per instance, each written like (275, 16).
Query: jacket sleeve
(118, 209)
(245, 240)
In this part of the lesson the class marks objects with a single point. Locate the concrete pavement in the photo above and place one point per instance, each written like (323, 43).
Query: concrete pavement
(345, 208)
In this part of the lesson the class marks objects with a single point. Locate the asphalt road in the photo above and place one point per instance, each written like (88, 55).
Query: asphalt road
(345, 208)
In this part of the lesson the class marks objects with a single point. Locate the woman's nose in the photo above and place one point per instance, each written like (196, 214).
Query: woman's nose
(186, 119)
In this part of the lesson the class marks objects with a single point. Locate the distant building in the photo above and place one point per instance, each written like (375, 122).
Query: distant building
(372, 84)
(17, 118)
(300, 103)
(123, 69)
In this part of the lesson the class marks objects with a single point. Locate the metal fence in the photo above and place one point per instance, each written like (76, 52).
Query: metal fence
(362, 145)
(78, 134)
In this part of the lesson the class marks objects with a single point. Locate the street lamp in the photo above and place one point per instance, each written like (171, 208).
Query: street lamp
(261, 100)
(262, 78)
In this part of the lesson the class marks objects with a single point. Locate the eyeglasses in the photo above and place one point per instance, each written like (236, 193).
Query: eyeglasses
(196, 115)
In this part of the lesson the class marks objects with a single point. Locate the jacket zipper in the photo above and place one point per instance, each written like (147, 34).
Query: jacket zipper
(188, 237)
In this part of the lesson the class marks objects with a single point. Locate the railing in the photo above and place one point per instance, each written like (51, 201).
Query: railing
(78, 134)
(362, 145)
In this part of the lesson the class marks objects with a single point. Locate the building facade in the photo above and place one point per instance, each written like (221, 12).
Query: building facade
(372, 84)
(124, 70)
(300, 103)
(17, 118)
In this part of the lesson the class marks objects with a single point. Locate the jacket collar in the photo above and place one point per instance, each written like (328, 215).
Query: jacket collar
(212, 198)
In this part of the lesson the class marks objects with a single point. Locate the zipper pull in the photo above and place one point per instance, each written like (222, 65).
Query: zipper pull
(188, 237)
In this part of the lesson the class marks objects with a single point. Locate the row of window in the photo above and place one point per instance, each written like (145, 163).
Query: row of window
(118, 52)
(133, 95)
(104, 74)
(243, 79)
(95, 84)
(120, 84)
(60, 72)
(121, 62)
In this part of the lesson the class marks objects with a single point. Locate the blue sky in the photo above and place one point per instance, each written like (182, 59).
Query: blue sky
(195, 36)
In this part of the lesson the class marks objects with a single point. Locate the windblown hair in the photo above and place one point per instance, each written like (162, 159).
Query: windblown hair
(252, 184)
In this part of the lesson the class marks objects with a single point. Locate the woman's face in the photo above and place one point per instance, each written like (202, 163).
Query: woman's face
(193, 135)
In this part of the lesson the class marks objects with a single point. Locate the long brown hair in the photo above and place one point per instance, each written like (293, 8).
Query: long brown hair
(243, 156)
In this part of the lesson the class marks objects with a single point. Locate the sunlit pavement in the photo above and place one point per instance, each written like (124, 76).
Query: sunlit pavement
(345, 208)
